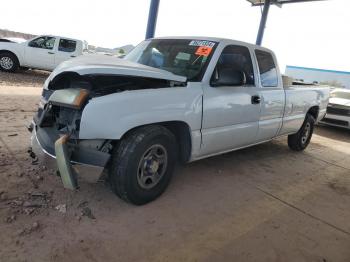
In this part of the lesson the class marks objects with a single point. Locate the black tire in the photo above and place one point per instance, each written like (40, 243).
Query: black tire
(128, 164)
(8, 62)
(299, 141)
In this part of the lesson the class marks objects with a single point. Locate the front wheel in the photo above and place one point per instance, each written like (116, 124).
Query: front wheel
(301, 140)
(143, 163)
(8, 62)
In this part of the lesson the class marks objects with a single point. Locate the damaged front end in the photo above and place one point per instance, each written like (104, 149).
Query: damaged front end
(56, 126)
(69, 90)
(56, 135)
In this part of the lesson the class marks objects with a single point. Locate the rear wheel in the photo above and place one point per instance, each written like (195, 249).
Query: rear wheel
(301, 140)
(8, 62)
(143, 163)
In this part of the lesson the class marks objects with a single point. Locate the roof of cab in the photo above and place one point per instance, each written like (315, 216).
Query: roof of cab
(225, 41)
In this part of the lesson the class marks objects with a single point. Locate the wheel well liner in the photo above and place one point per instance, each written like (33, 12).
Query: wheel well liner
(314, 111)
(182, 133)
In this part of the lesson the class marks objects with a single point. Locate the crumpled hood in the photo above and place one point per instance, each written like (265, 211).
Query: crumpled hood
(109, 65)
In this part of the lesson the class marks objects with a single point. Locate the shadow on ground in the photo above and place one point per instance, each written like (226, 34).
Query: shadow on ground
(336, 133)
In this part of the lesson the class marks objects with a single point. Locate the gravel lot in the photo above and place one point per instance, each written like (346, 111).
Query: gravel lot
(29, 78)
(264, 203)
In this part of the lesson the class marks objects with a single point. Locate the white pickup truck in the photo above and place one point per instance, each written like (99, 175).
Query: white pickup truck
(169, 99)
(42, 52)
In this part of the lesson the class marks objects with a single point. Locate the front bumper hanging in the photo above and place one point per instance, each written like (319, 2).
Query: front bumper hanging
(71, 160)
(69, 178)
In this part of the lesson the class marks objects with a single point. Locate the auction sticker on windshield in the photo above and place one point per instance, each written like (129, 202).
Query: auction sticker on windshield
(202, 43)
(203, 51)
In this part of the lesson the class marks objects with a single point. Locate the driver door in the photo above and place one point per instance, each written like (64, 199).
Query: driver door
(40, 53)
(230, 114)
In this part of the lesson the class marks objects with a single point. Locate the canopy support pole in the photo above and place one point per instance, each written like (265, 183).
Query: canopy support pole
(152, 19)
(263, 20)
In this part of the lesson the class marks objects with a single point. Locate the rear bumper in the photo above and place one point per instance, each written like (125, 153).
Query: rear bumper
(72, 160)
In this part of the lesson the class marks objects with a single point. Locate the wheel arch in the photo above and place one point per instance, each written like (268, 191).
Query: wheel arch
(314, 111)
(182, 133)
(4, 51)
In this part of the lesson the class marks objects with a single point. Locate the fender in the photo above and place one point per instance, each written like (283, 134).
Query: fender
(15, 48)
(111, 116)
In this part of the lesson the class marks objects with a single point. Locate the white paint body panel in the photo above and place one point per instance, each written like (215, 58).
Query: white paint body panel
(298, 101)
(120, 112)
(220, 119)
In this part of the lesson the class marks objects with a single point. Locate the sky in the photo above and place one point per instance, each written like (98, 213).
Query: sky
(306, 34)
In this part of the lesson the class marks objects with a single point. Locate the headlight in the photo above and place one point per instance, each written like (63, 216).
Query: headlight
(72, 97)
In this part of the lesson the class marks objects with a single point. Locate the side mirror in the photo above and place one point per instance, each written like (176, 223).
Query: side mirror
(229, 77)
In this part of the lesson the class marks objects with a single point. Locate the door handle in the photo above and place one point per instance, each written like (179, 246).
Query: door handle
(73, 56)
(256, 99)
(51, 53)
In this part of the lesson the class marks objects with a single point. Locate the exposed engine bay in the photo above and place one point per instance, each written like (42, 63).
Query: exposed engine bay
(100, 85)
(60, 111)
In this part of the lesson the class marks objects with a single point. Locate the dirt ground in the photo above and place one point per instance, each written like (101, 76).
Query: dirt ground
(265, 203)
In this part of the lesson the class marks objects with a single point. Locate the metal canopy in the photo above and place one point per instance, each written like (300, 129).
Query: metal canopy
(279, 2)
(154, 6)
(265, 12)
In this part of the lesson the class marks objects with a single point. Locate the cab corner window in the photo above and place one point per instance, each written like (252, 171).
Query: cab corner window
(44, 42)
(267, 68)
(236, 61)
(66, 45)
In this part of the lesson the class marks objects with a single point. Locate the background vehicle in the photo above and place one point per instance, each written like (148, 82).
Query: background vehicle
(42, 52)
(168, 99)
(338, 109)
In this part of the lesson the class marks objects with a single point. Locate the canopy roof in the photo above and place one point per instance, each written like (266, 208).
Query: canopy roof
(279, 2)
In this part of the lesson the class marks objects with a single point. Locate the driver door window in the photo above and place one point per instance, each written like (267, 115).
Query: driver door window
(237, 58)
(44, 42)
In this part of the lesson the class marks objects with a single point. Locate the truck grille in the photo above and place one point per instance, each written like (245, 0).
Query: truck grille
(338, 111)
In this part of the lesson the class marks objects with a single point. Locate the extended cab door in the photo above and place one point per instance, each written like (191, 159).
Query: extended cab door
(272, 95)
(40, 53)
(67, 49)
(230, 114)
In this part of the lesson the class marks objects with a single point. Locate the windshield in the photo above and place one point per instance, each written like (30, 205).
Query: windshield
(341, 94)
(183, 57)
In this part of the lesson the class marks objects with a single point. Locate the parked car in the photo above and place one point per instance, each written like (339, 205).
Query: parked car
(42, 52)
(169, 99)
(338, 109)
